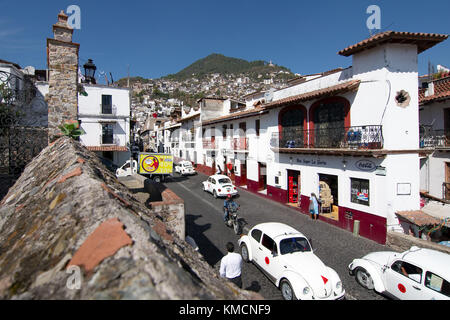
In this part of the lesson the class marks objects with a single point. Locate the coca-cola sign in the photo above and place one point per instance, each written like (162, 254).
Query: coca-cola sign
(365, 165)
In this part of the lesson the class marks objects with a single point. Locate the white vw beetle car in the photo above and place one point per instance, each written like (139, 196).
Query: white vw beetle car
(184, 168)
(286, 257)
(219, 185)
(416, 274)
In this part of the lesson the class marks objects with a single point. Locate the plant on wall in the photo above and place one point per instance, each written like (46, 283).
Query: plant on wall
(71, 128)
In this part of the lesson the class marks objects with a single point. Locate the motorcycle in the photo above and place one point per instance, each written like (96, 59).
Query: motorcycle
(233, 220)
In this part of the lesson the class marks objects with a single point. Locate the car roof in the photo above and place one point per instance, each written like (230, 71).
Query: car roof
(277, 229)
(432, 260)
(219, 176)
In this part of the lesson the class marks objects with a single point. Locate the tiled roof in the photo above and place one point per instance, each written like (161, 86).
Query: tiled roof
(348, 86)
(423, 41)
(236, 115)
(418, 217)
(106, 148)
(441, 91)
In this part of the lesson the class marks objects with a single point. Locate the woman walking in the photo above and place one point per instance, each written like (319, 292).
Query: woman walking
(314, 207)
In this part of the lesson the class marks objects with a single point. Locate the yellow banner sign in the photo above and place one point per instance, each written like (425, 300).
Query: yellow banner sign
(155, 163)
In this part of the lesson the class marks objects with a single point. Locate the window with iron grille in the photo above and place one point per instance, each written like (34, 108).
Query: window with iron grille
(291, 122)
(106, 104)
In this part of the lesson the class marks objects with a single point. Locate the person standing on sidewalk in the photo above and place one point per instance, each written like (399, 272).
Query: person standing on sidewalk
(314, 207)
(231, 266)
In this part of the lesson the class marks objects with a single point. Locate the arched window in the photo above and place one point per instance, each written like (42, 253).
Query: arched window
(291, 126)
(329, 118)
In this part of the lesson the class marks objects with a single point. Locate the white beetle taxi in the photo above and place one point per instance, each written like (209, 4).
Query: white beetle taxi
(219, 185)
(285, 255)
(416, 274)
(185, 168)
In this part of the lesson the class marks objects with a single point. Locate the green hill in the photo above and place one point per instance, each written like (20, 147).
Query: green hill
(218, 63)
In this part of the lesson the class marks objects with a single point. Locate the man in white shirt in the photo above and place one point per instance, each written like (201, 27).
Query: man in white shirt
(230, 266)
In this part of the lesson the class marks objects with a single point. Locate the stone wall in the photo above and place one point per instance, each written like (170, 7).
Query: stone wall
(70, 230)
(402, 242)
(62, 58)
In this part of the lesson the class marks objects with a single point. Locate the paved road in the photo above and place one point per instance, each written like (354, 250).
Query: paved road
(334, 246)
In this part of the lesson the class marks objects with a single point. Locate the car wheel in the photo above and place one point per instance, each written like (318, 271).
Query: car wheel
(286, 290)
(215, 194)
(364, 278)
(244, 253)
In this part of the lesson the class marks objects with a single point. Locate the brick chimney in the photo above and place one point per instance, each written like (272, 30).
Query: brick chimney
(62, 60)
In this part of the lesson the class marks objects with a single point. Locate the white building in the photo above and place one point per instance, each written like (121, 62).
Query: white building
(434, 117)
(104, 114)
(349, 135)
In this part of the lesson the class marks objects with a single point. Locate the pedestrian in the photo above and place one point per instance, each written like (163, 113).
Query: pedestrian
(314, 207)
(231, 266)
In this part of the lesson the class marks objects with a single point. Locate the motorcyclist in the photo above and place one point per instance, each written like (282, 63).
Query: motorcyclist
(228, 205)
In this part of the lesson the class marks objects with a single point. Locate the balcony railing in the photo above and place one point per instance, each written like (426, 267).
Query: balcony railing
(240, 143)
(356, 137)
(189, 145)
(108, 109)
(209, 144)
(431, 138)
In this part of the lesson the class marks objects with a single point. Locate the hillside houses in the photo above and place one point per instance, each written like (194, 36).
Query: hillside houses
(351, 136)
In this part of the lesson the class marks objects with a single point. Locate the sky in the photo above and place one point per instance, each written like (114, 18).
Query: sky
(154, 38)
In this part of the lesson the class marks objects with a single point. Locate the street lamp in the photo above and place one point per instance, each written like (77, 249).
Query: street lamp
(89, 71)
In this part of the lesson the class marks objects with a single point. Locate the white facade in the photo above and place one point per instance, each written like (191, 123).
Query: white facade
(107, 124)
(369, 181)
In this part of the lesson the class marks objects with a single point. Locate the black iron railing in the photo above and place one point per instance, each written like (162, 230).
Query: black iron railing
(356, 137)
(432, 138)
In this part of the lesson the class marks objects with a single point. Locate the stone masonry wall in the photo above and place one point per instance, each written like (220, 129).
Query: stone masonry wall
(70, 230)
(62, 56)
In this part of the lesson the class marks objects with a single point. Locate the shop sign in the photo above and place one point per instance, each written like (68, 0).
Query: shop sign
(365, 165)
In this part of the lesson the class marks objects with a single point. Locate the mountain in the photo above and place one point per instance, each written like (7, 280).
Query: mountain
(218, 63)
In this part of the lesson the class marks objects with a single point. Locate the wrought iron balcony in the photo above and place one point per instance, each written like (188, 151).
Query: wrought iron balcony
(356, 137)
(240, 144)
(209, 144)
(432, 138)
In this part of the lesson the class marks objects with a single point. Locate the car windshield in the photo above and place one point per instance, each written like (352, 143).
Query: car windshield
(187, 165)
(297, 244)
(224, 180)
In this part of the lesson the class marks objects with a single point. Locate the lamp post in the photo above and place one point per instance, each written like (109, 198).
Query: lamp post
(89, 71)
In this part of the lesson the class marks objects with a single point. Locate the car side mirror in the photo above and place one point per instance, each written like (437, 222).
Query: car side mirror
(274, 254)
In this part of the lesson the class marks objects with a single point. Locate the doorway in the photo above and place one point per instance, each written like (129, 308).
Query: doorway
(262, 176)
(328, 194)
(294, 190)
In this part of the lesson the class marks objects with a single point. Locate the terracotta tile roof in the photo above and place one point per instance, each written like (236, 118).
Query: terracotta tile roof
(188, 117)
(441, 91)
(236, 115)
(418, 217)
(348, 86)
(423, 41)
(106, 148)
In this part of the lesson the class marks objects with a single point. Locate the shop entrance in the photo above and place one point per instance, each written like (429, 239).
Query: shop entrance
(293, 186)
(262, 176)
(328, 193)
